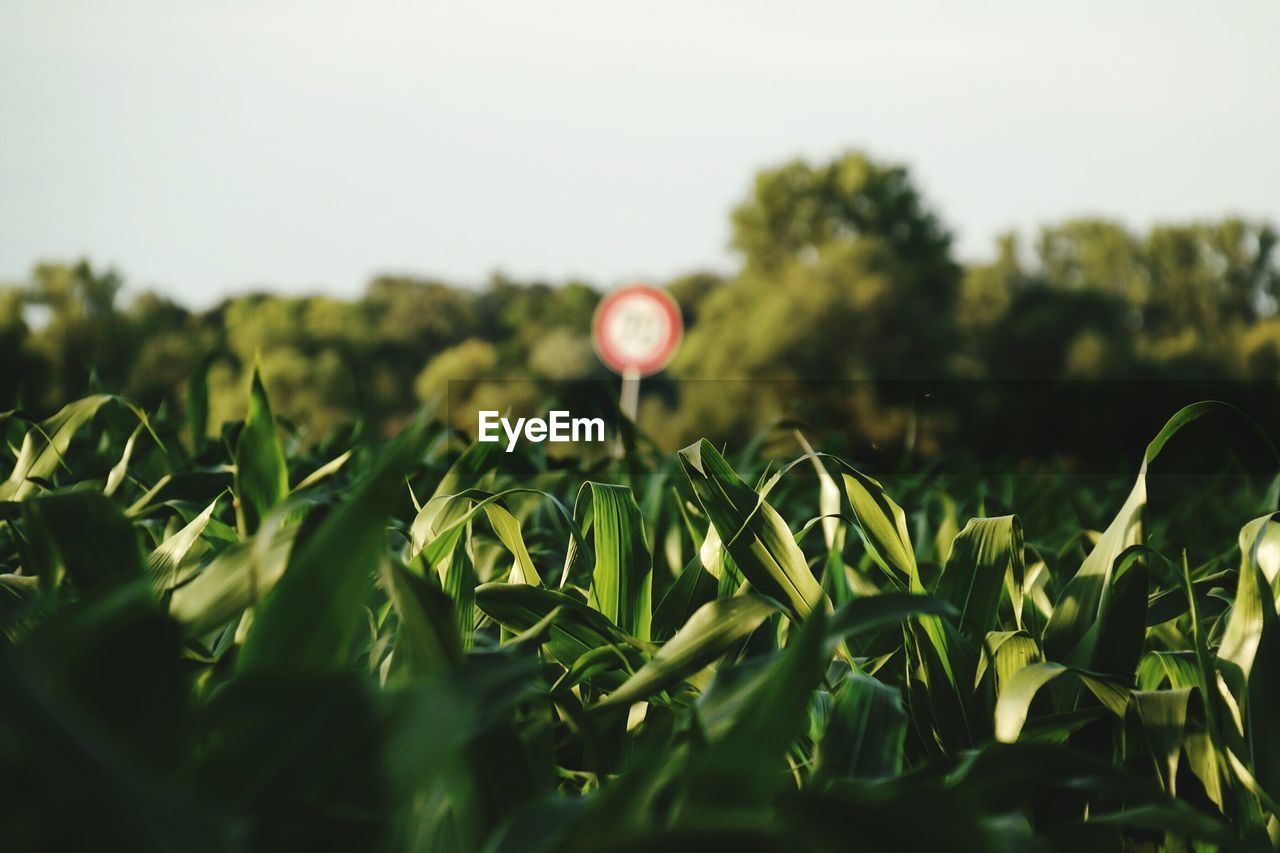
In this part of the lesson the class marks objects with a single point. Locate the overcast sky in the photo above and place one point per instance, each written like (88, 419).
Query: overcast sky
(206, 148)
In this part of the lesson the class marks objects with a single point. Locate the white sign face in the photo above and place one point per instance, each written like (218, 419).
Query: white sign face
(637, 329)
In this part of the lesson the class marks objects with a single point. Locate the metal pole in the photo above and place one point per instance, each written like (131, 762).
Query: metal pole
(629, 400)
(630, 393)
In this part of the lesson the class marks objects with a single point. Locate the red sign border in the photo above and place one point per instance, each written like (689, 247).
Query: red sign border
(610, 356)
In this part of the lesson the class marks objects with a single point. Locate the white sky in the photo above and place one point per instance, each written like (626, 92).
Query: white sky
(204, 148)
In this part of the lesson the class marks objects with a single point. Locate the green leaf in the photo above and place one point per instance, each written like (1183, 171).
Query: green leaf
(1249, 656)
(83, 536)
(307, 620)
(621, 581)
(198, 398)
(262, 479)
(441, 511)
(1116, 640)
(44, 445)
(828, 498)
(236, 578)
(428, 636)
(117, 474)
(944, 662)
(1178, 669)
(1015, 701)
(507, 528)
(459, 581)
(865, 732)
(1159, 717)
(162, 563)
(983, 553)
(883, 527)
(753, 533)
(872, 612)
(745, 765)
(577, 631)
(1011, 652)
(714, 629)
(719, 564)
(693, 588)
(326, 470)
(1174, 818)
(1081, 604)
(435, 545)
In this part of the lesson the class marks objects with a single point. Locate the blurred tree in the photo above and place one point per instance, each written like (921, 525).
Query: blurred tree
(1212, 277)
(1050, 333)
(690, 291)
(1095, 254)
(422, 315)
(797, 208)
(84, 334)
(563, 354)
(840, 315)
(313, 350)
(169, 343)
(260, 322)
(516, 315)
(465, 366)
(817, 318)
(164, 361)
(800, 215)
(466, 378)
(1260, 350)
(846, 275)
(21, 367)
(985, 296)
(316, 390)
(1187, 286)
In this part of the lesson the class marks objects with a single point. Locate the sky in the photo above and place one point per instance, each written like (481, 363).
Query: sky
(205, 149)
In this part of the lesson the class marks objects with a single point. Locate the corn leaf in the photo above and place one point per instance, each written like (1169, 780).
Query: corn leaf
(713, 630)
(261, 480)
(753, 533)
(81, 535)
(1015, 701)
(307, 620)
(865, 733)
(44, 445)
(622, 579)
(982, 555)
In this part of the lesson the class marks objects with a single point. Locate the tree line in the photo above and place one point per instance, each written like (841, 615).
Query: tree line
(846, 272)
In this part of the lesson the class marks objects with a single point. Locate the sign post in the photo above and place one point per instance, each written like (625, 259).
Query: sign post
(636, 330)
(629, 400)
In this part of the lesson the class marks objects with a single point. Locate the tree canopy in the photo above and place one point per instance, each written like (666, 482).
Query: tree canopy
(846, 272)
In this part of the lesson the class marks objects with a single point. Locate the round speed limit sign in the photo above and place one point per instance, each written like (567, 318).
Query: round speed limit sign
(637, 329)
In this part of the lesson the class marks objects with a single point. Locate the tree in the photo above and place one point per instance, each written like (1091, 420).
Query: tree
(1050, 333)
(690, 291)
(846, 275)
(419, 314)
(84, 334)
(21, 367)
(1097, 255)
(1199, 281)
(1214, 277)
(985, 297)
(797, 208)
(816, 216)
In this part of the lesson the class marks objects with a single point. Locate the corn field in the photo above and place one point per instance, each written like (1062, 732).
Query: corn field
(234, 642)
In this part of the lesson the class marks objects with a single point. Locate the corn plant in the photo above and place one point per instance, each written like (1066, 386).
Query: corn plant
(243, 643)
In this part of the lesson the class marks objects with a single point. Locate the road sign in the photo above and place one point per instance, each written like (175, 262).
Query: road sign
(636, 330)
